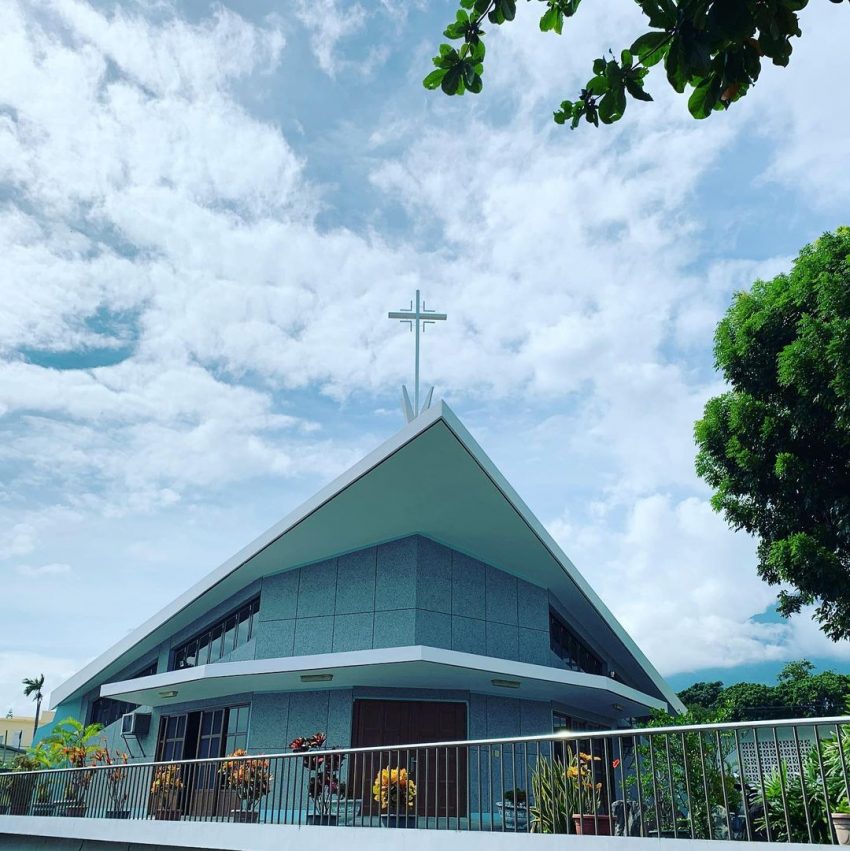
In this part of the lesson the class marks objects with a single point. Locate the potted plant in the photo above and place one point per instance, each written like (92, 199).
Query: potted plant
(164, 791)
(581, 773)
(841, 821)
(395, 791)
(16, 787)
(72, 745)
(117, 779)
(347, 808)
(250, 780)
(323, 783)
(567, 796)
(514, 810)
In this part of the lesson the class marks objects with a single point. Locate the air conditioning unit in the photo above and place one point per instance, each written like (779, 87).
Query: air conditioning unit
(135, 724)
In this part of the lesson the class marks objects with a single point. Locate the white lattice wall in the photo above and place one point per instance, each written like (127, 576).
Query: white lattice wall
(769, 759)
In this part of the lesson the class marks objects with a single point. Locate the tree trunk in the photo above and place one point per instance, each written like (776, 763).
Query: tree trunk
(37, 713)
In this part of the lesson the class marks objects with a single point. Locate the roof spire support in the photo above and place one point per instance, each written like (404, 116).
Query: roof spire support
(415, 317)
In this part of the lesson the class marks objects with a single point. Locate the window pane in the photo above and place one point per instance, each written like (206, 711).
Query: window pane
(229, 635)
(215, 644)
(242, 628)
(192, 654)
(217, 717)
(203, 650)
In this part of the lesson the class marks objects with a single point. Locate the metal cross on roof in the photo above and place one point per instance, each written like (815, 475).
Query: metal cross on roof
(414, 318)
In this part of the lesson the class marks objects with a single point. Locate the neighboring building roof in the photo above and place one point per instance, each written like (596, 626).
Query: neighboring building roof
(18, 728)
(431, 478)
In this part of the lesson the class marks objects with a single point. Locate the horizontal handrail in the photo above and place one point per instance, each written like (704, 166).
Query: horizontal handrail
(560, 736)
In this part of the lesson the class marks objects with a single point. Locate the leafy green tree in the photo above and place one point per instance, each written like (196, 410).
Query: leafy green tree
(812, 695)
(751, 702)
(711, 49)
(776, 447)
(702, 695)
(33, 688)
(676, 773)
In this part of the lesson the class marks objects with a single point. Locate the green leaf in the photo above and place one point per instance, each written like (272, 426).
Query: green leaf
(508, 8)
(433, 80)
(597, 86)
(636, 90)
(613, 105)
(451, 83)
(661, 13)
(552, 20)
(650, 48)
(626, 59)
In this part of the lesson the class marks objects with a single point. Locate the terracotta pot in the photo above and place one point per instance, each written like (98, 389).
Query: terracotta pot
(590, 825)
(244, 816)
(841, 825)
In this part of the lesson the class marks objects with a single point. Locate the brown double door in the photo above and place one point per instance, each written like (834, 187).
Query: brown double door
(440, 774)
(200, 735)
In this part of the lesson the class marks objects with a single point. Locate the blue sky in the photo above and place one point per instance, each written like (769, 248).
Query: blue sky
(206, 211)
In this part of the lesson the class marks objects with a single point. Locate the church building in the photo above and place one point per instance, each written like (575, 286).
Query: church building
(414, 599)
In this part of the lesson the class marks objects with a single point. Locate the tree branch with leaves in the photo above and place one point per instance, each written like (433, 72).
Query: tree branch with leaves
(712, 50)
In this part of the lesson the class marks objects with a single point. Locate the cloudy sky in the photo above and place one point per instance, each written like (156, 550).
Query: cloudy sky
(206, 211)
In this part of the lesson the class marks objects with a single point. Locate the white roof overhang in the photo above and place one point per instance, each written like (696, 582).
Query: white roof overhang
(392, 667)
(431, 478)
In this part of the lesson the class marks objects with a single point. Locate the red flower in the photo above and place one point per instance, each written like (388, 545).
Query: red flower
(615, 763)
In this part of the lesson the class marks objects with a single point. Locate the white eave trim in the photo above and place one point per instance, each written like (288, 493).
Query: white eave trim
(522, 671)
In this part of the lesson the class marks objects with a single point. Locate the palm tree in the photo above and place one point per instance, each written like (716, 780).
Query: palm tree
(32, 688)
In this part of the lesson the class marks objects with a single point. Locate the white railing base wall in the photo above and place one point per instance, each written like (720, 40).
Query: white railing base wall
(27, 833)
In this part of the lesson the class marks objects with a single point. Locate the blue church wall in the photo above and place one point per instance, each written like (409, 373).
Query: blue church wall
(405, 592)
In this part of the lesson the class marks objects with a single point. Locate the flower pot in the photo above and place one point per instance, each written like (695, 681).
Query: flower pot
(118, 814)
(244, 816)
(590, 825)
(513, 817)
(841, 825)
(401, 820)
(43, 808)
(328, 819)
(167, 815)
(345, 809)
(72, 809)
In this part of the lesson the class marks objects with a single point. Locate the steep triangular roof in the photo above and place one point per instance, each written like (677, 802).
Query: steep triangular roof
(431, 478)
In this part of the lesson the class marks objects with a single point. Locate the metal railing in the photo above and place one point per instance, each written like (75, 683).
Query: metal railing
(763, 781)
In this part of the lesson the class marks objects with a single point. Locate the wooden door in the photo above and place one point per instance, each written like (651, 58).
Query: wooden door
(205, 780)
(440, 774)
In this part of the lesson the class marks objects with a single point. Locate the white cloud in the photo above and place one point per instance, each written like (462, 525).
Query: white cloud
(685, 588)
(55, 569)
(152, 214)
(16, 664)
(330, 22)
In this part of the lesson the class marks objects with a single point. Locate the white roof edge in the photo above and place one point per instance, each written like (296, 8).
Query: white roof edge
(383, 656)
(558, 554)
(440, 411)
(410, 431)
